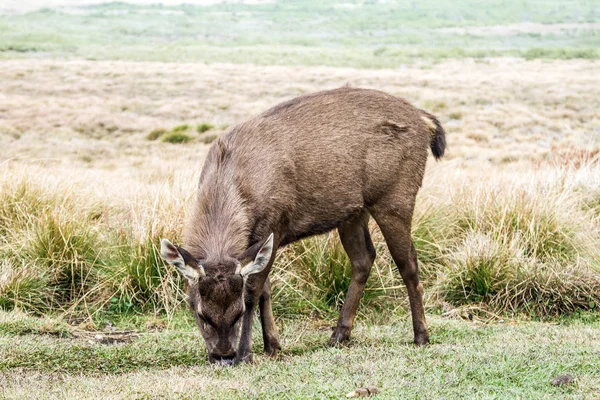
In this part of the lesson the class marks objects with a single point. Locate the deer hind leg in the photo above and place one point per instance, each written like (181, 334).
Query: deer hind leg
(269, 329)
(393, 214)
(357, 243)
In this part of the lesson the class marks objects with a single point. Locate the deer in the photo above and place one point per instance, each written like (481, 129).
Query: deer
(319, 162)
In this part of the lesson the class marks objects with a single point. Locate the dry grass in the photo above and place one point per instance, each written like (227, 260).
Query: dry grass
(56, 111)
(509, 222)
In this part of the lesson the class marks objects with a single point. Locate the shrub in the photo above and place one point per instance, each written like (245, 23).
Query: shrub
(181, 128)
(156, 133)
(203, 127)
(525, 248)
(176, 137)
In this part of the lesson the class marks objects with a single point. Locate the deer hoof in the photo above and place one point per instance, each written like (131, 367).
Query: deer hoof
(243, 359)
(339, 337)
(272, 349)
(422, 340)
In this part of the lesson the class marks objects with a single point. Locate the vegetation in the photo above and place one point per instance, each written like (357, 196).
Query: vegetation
(181, 128)
(361, 34)
(486, 361)
(203, 127)
(530, 249)
(176, 136)
(208, 139)
(156, 134)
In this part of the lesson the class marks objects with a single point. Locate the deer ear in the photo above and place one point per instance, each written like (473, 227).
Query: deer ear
(182, 260)
(261, 260)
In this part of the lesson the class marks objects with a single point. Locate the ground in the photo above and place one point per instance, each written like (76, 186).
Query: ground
(467, 359)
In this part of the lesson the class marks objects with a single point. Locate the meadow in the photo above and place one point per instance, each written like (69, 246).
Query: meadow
(104, 125)
(365, 34)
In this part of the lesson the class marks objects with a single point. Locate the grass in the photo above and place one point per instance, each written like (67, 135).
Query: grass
(204, 127)
(525, 249)
(358, 34)
(562, 54)
(529, 248)
(208, 139)
(156, 134)
(176, 137)
(486, 361)
(181, 128)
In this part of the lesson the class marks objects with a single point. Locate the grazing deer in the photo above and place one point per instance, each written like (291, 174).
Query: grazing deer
(319, 162)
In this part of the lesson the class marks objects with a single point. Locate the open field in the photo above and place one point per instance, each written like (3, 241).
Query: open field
(107, 112)
(365, 34)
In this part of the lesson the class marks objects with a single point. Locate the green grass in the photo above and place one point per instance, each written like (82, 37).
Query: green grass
(203, 127)
(510, 360)
(176, 137)
(309, 32)
(181, 128)
(156, 134)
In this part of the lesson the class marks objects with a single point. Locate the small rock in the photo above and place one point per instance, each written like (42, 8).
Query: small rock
(372, 390)
(561, 380)
(363, 392)
(99, 337)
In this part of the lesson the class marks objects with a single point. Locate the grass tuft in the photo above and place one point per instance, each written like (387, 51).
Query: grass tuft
(203, 127)
(66, 250)
(509, 244)
(181, 128)
(176, 137)
(156, 134)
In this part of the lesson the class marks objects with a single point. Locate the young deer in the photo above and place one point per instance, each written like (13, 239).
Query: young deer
(323, 161)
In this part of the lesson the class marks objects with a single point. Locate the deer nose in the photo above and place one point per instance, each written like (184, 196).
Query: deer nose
(225, 359)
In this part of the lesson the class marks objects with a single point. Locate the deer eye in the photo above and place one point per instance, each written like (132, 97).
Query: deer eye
(207, 322)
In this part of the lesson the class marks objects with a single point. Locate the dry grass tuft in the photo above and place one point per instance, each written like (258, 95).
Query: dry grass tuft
(520, 242)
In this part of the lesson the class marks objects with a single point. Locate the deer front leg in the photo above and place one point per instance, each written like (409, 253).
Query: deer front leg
(269, 329)
(244, 353)
(254, 289)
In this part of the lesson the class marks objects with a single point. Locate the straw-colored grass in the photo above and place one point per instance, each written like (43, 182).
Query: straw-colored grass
(520, 242)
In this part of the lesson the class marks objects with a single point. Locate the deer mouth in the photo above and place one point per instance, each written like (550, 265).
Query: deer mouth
(225, 360)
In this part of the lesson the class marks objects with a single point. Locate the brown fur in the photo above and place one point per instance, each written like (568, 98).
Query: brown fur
(306, 166)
